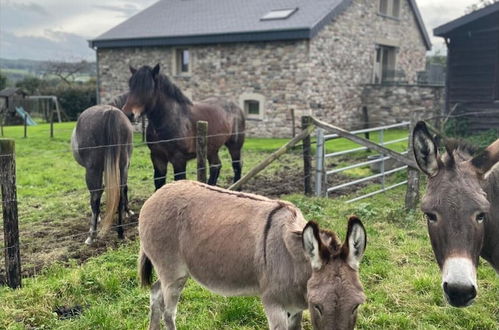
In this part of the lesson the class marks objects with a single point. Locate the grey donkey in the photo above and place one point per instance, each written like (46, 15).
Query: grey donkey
(461, 205)
(239, 244)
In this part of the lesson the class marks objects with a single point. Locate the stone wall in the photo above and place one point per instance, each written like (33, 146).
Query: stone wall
(392, 104)
(343, 55)
(324, 76)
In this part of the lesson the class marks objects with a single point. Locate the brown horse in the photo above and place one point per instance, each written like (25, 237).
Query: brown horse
(461, 205)
(172, 116)
(238, 244)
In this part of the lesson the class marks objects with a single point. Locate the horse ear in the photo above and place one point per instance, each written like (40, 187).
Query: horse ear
(312, 244)
(132, 69)
(155, 70)
(355, 244)
(425, 150)
(486, 160)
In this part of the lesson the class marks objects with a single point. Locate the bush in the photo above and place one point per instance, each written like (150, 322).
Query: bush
(74, 99)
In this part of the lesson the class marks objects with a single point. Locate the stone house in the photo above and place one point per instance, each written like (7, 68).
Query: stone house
(271, 56)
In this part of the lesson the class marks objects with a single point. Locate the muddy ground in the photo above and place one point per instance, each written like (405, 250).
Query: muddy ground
(47, 242)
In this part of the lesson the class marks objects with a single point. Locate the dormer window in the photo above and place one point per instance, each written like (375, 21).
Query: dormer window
(278, 14)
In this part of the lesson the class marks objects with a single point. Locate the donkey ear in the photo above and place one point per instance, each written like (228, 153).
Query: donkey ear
(486, 160)
(312, 243)
(132, 69)
(355, 244)
(155, 70)
(425, 150)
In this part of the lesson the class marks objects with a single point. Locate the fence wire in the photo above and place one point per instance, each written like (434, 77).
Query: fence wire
(27, 200)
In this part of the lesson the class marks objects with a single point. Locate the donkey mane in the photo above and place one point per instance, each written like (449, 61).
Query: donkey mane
(172, 90)
(460, 149)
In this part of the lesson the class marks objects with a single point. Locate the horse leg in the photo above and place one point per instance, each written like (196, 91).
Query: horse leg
(235, 154)
(123, 201)
(94, 184)
(160, 165)
(128, 211)
(179, 167)
(215, 166)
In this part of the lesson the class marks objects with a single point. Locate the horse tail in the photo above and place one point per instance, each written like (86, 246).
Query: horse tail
(145, 269)
(111, 167)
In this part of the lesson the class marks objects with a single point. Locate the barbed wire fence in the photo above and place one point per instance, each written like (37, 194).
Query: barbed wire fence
(33, 199)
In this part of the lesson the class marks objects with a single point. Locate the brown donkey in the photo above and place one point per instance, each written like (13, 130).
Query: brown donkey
(238, 244)
(462, 208)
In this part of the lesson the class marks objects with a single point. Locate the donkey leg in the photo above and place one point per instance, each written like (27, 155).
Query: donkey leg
(215, 166)
(294, 321)
(171, 290)
(157, 306)
(276, 315)
(94, 184)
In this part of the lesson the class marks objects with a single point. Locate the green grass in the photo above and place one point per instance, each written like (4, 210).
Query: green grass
(399, 274)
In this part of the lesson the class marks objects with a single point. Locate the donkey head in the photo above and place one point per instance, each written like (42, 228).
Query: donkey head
(456, 208)
(142, 86)
(334, 291)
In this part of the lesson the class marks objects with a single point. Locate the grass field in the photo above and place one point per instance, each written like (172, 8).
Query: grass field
(400, 276)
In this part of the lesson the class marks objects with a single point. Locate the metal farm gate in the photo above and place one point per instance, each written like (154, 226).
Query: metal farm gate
(382, 164)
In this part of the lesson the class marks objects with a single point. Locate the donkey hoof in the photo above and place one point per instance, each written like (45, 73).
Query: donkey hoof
(89, 241)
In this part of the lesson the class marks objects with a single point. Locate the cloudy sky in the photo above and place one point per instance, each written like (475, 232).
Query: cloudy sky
(59, 29)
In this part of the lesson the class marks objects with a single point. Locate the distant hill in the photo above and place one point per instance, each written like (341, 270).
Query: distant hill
(16, 70)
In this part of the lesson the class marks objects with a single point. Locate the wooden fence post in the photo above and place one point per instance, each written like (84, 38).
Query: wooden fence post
(9, 205)
(25, 125)
(201, 149)
(306, 122)
(412, 193)
(52, 123)
(2, 120)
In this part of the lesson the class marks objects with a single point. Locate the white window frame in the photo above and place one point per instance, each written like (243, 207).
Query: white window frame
(379, 68)
(177, 61)
(243, 98)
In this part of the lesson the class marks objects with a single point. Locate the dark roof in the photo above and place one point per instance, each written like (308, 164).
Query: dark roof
(9, 91)
(187, 22)
(447, 28)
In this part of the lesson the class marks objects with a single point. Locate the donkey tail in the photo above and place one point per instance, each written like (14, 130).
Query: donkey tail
(111, 168)
(145, 269)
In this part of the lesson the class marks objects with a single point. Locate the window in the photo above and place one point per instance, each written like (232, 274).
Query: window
(253, 105)
(389, 8)
(278, 14)
(384, 64)
(183, 59)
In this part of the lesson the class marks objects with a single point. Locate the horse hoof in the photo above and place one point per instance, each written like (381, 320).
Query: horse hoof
(99, 219)
(89, 241)
(130, 213)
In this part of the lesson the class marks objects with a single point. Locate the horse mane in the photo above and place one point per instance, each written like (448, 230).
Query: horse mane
(172, 90)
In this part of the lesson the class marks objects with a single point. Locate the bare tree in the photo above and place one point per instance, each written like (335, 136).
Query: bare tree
(481, 4)
(66, 71)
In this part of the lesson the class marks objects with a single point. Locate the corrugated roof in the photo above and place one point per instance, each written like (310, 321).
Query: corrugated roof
(177, 22)
(445, 29)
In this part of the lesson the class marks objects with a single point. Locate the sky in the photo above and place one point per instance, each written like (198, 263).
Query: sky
(59, 29)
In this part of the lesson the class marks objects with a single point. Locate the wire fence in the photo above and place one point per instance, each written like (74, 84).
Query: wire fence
(32, 199)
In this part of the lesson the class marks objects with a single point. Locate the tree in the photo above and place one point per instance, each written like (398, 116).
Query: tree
(481, 4)
(66, 71)
(31, 85)
(3, 81)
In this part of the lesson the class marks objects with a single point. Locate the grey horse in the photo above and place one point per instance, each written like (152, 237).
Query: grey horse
(102, 143)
